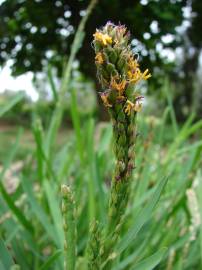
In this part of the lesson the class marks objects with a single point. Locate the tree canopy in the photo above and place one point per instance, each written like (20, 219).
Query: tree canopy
(34, 32)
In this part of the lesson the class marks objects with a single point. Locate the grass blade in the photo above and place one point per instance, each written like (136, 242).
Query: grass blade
(6, 259)
(51, 260)
(54, 209)
(57, 114)
(170, 104)
(52, 83)
(11, 154)
(15, 210)
(12, 102)
(150, 262)
(40, 214)
(143, 216)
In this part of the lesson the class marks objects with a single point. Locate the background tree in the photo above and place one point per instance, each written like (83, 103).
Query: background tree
(33, 33)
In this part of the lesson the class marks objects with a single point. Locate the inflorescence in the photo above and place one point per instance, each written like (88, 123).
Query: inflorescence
(117, 68)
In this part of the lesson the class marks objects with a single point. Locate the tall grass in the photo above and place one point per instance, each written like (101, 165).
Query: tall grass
(160, 229)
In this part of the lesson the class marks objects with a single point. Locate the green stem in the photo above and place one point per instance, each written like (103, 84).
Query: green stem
(93, 249)
(58, 112)
(69, 228)
(124, 133)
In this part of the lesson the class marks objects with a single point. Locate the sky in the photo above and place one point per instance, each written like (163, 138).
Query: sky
(23, 82)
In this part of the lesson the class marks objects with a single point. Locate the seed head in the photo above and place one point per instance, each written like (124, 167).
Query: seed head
(117, 69)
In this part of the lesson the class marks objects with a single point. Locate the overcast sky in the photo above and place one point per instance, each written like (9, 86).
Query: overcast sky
(23, 82)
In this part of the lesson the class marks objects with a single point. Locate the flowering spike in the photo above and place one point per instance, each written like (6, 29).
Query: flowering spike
(119, 72)
(104, 97)
(118, 68)
(99, 59)
(145, 75)
(104, 39)
(69, 227)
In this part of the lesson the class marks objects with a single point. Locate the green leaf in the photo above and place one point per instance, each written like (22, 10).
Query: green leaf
(12, 102)
(143, 216)
(130, 258)
(51, 260)
(77, 125)
(199, 200)
(5, 260)
(150, 262)
(105, 140)
(92, 176)
(7, 198)
(58, 112)
(38, 136)
(170, 105)
(64, 161)
(54, 209)
(52, 83)
(11, 153)
(39, 212)
(15, 210)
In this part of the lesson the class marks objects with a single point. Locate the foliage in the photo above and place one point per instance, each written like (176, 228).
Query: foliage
(32, 40)
(33, 209)
(23, 109)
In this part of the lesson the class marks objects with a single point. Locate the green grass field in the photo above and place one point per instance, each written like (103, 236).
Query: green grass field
(164, 231)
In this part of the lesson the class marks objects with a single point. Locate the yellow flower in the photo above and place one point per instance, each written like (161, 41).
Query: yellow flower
(120, 87)
(145, 75)
(99, 58)
(131, 106)
(103, 38)
(134, 75)
(133, 64)
(104, 97)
